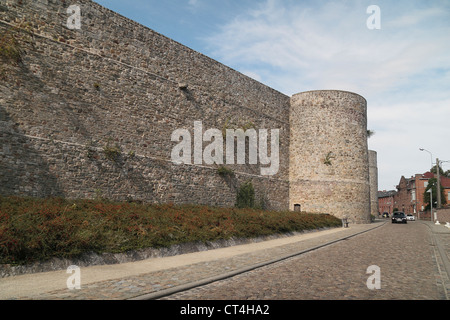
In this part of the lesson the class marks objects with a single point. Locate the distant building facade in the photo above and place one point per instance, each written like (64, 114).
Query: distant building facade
(409, 196)
(386, 201)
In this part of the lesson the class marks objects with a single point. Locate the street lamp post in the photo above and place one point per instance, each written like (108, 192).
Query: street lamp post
(431, 203)
(422, 149)
(438, 186)
(431, 196)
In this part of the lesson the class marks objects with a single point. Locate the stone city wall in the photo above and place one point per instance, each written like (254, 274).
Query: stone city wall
(329, 169)
(90, 112)
(373, 179)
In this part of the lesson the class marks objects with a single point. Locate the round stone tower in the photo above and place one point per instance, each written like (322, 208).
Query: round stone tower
(373, 178)
(329, 167)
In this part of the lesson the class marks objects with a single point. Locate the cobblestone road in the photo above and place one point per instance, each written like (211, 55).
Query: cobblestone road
(414, 261)
(405, 254)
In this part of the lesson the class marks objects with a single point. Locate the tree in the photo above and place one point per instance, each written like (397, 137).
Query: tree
(447, 173)
(432, 184)
(433, 170)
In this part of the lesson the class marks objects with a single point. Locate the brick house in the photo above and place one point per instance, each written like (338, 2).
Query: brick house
(386, 201)
(421, 185)
(423, 182)
(409, 194)
(445, 182)
(405, 199)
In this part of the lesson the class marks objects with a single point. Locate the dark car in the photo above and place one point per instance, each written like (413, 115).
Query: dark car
(385, 215)
(399, 217)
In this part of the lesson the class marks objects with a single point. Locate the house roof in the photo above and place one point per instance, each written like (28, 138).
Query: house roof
(428, 175)
(384, 194)
(445, 182)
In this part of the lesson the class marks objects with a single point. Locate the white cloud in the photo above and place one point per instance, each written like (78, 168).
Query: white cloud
(330, 44)
(415, 16)
(403, 69)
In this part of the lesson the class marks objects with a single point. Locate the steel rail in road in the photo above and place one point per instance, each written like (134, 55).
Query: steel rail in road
(167, 292)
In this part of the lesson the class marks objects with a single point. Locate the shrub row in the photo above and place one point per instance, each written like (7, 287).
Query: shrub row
(39, 229)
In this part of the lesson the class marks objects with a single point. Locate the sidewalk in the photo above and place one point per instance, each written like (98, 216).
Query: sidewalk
(159, 276)
(440, 236)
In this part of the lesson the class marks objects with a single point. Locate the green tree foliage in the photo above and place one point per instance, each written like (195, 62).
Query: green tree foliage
(433, 170)
(432, 184)
(246, 196)
(447, 173)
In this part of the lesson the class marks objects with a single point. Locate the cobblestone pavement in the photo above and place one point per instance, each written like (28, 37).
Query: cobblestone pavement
(158, 281)
(410, 269)
(406, 254)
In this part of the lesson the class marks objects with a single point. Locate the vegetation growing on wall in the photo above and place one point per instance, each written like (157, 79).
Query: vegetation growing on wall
(328, 158)
(246, 196)
(10, 50)
(225, 172)
(112, 152)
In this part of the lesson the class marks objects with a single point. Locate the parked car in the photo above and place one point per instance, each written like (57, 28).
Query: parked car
(385, 215)
(399, 217)
(410, 217)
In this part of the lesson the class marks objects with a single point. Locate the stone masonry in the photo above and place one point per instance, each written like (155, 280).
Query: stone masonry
(89, 112)
(373, 179)
(329, 169)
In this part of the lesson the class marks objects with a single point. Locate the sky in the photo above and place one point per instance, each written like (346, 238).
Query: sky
(402, 67)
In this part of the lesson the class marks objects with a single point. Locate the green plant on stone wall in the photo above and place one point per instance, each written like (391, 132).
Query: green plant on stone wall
(248, 125)
(112, 152)
(10, 50)
(225, 127)
(225, 172)
(246, 196)
(328, 158)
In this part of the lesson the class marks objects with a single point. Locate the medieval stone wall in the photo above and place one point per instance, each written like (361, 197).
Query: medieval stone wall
(373, 179)
(90, 112)
(115, 84)
(329, 169)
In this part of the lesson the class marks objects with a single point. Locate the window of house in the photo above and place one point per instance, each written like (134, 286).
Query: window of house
(425, 184)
